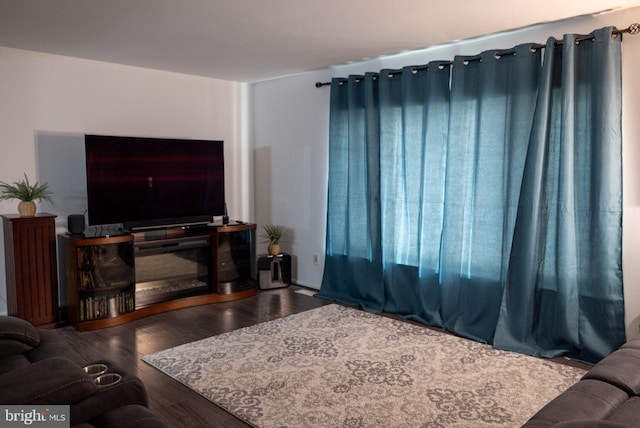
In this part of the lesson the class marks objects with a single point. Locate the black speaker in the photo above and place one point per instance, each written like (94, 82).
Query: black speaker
(225, 217)
(75, 224)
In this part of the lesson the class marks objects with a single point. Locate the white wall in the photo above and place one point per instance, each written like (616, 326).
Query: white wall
(290, 136)
(55, 96)
(289, 131)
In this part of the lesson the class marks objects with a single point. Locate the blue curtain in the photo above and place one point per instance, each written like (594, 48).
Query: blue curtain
(484, 196)
(564, 289)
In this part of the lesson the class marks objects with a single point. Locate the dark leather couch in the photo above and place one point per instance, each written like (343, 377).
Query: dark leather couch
(37, 367)
(608, 395)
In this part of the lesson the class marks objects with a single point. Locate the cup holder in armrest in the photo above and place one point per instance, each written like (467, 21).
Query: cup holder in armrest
(108, 379)
(94, 370)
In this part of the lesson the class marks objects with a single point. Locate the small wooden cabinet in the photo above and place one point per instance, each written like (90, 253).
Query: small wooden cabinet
(31, 268)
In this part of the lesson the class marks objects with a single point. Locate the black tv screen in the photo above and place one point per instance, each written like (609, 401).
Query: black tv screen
(153, 182)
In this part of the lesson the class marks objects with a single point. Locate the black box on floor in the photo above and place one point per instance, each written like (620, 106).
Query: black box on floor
(274, 271)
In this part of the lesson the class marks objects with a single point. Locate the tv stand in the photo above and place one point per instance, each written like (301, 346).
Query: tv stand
(112, 280)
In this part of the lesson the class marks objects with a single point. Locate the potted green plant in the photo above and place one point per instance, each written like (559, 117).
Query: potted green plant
(272, 235)
(27, 193)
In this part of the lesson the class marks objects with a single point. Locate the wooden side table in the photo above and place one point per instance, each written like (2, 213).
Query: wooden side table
(31, 268)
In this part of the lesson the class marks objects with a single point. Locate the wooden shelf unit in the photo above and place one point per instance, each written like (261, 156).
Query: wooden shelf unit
(245, 285)
(100, 277)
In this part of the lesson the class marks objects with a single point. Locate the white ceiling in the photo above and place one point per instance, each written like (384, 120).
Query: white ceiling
(253, 40)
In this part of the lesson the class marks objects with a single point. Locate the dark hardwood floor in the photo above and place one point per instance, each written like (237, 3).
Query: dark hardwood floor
(177, 404)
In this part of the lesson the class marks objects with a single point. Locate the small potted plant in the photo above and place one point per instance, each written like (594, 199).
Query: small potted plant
(272, 235)
(27, 194)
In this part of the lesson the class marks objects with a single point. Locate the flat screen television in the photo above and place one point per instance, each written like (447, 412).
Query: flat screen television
(147, 183)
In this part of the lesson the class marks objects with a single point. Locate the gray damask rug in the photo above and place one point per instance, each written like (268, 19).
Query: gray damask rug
(341, 367)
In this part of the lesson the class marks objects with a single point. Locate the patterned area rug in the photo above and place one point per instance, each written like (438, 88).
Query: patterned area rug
(340, 367)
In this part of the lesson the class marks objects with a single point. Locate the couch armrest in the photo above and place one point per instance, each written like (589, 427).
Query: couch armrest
(55, 380)
(129, 390)
(588, 399)
(590, 424)
(16, 336)
(621, 369)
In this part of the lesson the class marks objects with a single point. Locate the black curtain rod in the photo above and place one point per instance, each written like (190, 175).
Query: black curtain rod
(631, 29)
